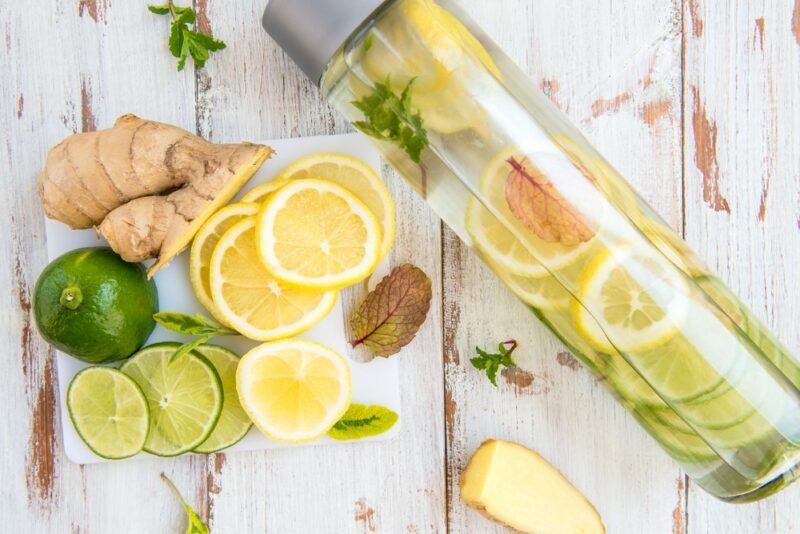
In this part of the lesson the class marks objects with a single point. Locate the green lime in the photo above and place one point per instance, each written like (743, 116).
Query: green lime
(185, 397)
(109, 412)
(91, 304)
(233, 422)
(684, 447)
(677, 370)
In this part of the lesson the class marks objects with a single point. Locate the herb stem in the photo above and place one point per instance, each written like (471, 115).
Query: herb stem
(511, 346)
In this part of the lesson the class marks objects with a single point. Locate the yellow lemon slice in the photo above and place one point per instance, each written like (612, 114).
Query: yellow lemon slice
(317, 234)
(253, 301)
(355, 176)
(638, 301)
(260, 193)
(294, 390)
(203, 247)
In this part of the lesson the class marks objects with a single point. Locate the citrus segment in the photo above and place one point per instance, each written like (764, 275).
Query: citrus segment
(203, 247)
(260, 193)
(294, 390)
(251, 300)
(355, 176)
(184, 397)
(233, 423)
(109, 412)
(317, 234)
(635, 317)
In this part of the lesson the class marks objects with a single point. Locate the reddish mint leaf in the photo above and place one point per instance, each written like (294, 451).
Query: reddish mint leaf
(534, 200)
(392, 313)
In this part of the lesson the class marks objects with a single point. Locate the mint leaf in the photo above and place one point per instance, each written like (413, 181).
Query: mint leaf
(159, 10)
(183, 41)
(191, 325)
(389, 117)
(362, 421)
(491, 363)
(392, 313)
(194, 525)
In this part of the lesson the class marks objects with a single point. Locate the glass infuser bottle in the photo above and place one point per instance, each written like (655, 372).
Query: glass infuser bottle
(517, 182)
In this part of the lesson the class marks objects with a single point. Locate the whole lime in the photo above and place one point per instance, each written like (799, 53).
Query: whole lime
(91, 304)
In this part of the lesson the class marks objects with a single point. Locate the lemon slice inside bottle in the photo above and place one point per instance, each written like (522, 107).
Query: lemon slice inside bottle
(637, 301)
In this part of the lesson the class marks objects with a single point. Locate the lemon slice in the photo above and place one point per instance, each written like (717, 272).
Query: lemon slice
(636, 318)
(253, 301)
(317, 234)
(498, 244)
(260, 193)
(203, 247)
(544, 293)
(294, 390)
(355, 176)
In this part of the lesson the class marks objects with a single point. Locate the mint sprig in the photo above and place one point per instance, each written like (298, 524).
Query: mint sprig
(492, 362)
(184, 42)
(389, 117)
(191, 325)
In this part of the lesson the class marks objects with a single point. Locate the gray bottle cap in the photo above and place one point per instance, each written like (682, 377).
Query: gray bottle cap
(311, 31)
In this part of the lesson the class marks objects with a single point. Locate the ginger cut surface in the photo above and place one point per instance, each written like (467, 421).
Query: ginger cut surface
(516, 487)
(146, 186)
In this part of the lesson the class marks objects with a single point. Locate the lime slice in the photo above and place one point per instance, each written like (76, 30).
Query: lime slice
(109, 412)
(185, 397)
(233, 423)
(684, 447)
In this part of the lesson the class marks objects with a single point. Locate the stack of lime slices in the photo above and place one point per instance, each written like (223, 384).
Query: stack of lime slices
(159, 407)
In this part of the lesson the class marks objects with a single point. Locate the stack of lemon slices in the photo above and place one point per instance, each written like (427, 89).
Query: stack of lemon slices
(271, 267)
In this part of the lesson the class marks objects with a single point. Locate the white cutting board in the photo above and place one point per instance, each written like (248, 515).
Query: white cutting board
(376, 382)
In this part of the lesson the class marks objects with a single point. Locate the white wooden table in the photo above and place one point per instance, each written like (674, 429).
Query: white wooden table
(696, 102)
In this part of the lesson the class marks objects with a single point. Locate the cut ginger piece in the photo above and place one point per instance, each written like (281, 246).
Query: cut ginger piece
(145, 186)
(516, 487)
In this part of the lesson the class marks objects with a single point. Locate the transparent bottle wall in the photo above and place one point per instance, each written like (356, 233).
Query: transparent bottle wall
(565, 232)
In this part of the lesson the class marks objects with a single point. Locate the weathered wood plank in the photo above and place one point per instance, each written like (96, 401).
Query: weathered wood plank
(622, 86)
(255, 92)
(742, 174)
(72, 67)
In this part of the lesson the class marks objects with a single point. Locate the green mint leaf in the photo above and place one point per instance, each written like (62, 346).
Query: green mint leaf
(208, 42)
(183, 41)
(189, 347)
(159, 10)
(491, 363)
(176, 39)
(191, 325)
(362, 421)
(392, 313)
(185, 15)
(194, 525)
(391, 118)
(184, 53)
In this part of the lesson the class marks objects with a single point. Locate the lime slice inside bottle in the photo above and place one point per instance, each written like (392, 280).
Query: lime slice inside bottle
(233, 423)
(184, 397)
(109, 412)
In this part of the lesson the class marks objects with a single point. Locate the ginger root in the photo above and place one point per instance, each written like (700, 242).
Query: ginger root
(145, 186)
(516, 487)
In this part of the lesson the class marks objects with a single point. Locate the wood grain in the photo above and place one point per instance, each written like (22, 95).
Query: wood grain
(742, 111)
(695, 102)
